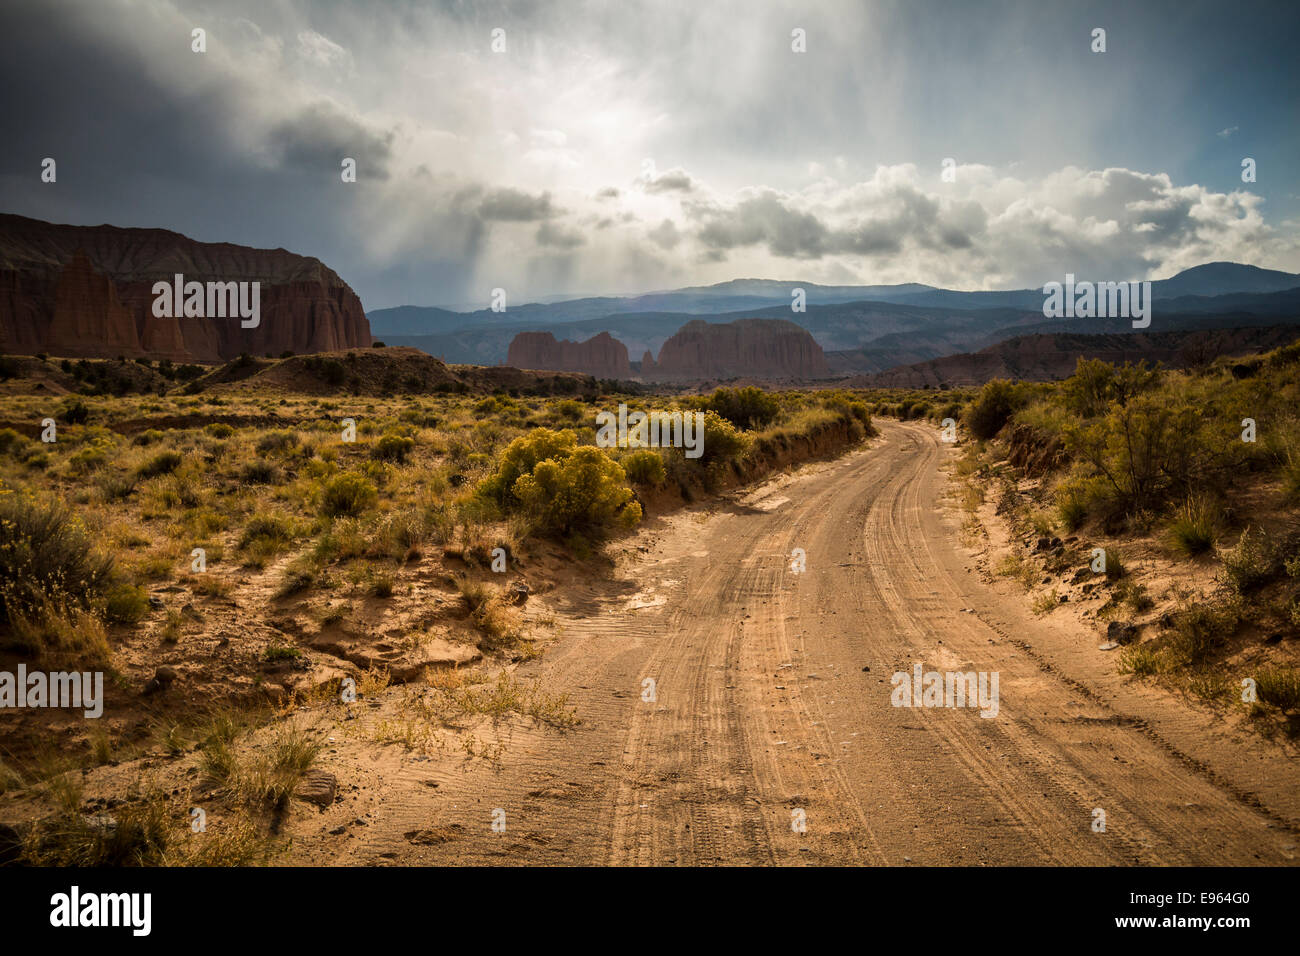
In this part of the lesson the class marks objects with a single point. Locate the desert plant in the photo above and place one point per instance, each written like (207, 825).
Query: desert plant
(584, 492)
(347, 494)
(46, 556)
(392, 447)
(1251, 562)
(644, 467)
(749, 407)
(1196, 527)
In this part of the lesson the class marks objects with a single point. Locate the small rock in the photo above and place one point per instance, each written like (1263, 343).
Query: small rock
(519, 592)
(162, 678)
(156, 602)
(1121, 632)
(319, 787)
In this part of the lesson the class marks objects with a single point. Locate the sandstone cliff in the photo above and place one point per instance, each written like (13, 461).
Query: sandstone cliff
(754, 348)
(602, 356)
(88, 291)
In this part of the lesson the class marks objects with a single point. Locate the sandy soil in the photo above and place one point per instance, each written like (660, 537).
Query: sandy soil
(772, 696)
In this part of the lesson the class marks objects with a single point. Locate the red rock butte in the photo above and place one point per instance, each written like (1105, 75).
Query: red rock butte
(762, 348)
(87, 291)
(602, 355)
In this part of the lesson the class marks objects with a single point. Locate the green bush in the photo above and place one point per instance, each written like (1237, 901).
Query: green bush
(1072, 506)
(218, 429)
(644, 467)
(73, 412)
(392, 447)
(12, 443)
(1199, 629)
(347, 494)
(993, 407)
(1251, 562)
(126, 604)
(1196, 528)
(1279, 686)
(87, 459)
(521, 457)
(46, 557)
(277, 442)
(266, 529)
(148, 437)
(164, 463)
(749, 407)
(570, 409)
(722, 440)
(583, 492)
(259, 473)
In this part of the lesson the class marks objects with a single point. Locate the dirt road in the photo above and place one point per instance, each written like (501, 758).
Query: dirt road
(772, 700)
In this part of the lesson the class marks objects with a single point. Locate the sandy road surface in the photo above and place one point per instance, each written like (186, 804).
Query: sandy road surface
(765, 705)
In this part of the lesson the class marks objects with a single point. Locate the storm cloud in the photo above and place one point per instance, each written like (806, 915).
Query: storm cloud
(614, 148)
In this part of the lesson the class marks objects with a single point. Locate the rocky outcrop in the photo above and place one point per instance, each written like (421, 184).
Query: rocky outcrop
(757, 348)
(602, 356)
(648, 366)
(88, 291)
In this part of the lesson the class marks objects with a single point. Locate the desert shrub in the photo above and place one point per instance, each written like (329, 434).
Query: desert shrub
(570, 409)
(266, 527)
(218, 429)
(749, 407)
(46, 557)
(259, 473)
(1196, 527)
(644, 467)
(1198, 629)
(1251, 562)
(1088, 392)
(392, 447)
(126, 604)
(1072, 507)
(1279, 686)
(11, 442)
(722, 440)
(520, 458)
(585, 491)
(86, 459)
(993, 407)
(1153, 449)
(149, 437)
(139, 835)
(164, 463)
(347, 494)
(73, 412)
(277, 443)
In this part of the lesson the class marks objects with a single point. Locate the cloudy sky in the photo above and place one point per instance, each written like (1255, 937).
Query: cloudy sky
(620, 147)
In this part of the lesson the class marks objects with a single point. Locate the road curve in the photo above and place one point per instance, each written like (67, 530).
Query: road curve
(770, 737)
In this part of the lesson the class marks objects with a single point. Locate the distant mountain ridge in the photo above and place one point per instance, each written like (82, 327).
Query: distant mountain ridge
(735, 295)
